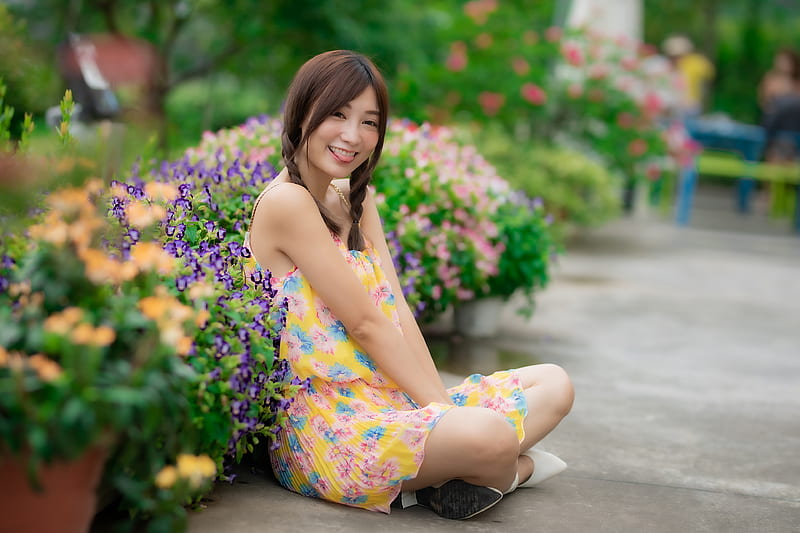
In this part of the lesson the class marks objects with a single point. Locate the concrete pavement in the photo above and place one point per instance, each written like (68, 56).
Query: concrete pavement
(684, 348)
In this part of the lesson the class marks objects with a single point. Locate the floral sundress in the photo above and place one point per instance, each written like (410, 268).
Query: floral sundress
(352, 436)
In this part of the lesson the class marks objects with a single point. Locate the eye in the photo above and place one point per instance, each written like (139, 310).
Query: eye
(337, 114)
(371, 123)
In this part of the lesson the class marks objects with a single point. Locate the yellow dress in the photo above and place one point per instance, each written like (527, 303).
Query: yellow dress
(352, 436)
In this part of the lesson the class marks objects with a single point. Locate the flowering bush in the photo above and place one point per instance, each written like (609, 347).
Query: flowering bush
(438, 199)
(243, 387)
(562, 86)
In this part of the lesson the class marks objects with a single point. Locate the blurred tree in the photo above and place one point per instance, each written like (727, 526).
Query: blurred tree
(25, 73)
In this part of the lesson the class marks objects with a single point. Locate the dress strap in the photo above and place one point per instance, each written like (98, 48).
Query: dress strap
(253, 212)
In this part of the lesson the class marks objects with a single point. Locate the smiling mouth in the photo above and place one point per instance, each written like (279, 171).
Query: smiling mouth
(342, 155)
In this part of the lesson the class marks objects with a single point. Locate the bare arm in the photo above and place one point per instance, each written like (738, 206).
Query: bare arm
(290, 221)
(371, 225)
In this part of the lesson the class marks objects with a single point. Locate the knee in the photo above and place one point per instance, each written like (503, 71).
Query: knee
(562, 393)
(493, 440)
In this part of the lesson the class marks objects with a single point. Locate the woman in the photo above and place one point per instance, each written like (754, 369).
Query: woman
(376, 418)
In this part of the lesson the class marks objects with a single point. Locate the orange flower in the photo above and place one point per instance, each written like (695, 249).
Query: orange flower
(100, 268)
(61, 323)
(141, 214)
(184, 345)
(47, 369)
(51, 230)
(150, 256)
(161, 191)
(88, 335)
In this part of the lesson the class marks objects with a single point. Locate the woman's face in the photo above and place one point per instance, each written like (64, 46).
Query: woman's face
(343, 141)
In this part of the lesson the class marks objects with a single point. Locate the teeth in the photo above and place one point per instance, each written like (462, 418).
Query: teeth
(342, 152)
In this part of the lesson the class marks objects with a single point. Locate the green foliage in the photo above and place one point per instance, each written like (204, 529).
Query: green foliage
(28, 76)
(575, 188)
(525, 261)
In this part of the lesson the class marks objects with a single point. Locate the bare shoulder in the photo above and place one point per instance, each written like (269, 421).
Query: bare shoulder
(285, 199)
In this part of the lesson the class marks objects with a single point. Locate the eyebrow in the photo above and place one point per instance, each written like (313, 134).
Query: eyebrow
(370, 112)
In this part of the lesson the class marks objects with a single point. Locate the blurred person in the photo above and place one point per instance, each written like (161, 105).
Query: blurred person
(374, 417)
(695, 71)
(781, 80)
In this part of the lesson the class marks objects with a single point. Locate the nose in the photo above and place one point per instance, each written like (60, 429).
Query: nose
(350, 132)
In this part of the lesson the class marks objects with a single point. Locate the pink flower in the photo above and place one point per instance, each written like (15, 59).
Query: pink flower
(652, 104)
(520, 66)
(479, 10)
(491, 102)
(596, 95)
(436, 292)
(483, 40)
(572, 54)
(625, 120)
(653, 171)
(530, 37)
(457, 60)
(533, 94)
(637, 147)
(575, 90)
(553, 33)
(629, 63)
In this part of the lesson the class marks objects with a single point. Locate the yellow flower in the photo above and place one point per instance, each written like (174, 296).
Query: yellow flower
(161, 191)
(150, 256)
(196, 468)
(47, 369)
(82, 230)
(166, 477)
(141, 214)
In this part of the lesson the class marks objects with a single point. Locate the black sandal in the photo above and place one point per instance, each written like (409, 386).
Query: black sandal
(458, 500)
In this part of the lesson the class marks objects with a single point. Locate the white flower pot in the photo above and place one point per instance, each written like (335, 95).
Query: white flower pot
(479, 318)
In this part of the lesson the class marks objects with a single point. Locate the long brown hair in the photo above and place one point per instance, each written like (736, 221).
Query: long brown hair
(323, 85)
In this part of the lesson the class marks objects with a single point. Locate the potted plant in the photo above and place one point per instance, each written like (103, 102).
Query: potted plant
(93, 381)
(89, 358)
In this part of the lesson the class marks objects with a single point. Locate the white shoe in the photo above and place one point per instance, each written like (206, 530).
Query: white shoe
(545, 466)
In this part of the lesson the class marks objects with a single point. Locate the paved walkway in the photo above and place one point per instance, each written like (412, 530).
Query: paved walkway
(684, 348)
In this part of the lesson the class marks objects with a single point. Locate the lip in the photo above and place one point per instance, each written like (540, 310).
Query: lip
(337, 154)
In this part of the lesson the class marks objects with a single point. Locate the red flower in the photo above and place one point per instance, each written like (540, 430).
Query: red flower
(491, 102)
(533, 94)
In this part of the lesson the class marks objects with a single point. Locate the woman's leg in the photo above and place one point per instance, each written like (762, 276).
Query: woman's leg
(474, 444)
(549, 392)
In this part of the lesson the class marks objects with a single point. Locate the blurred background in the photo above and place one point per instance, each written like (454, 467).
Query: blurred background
(216, 63)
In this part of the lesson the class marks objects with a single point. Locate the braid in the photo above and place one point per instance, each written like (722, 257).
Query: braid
(359, 181)
(288, 151)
